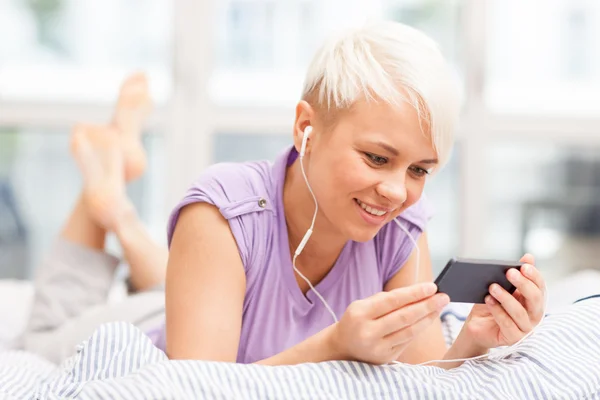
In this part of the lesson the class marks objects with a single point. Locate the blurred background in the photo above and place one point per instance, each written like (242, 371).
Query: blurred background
(225, 77)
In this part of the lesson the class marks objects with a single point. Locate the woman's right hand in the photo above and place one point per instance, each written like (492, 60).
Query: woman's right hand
(378, 329)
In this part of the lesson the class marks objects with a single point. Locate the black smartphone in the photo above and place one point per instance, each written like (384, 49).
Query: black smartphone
(467, 281)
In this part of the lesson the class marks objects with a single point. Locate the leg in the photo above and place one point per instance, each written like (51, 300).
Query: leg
(103, 207)
(147, 261)
(72, 279)
(103, 154)
(73, 283)
(98, 154)
(133, 106)
(82, 229)
(77, 274)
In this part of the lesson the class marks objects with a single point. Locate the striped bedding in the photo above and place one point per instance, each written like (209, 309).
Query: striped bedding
(560, 361)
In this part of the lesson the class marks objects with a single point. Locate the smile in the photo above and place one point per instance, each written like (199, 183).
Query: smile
(371, 210)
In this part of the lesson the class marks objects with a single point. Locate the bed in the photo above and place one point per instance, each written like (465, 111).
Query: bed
(561, 360)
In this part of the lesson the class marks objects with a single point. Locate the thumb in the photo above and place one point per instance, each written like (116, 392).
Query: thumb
(528, 259)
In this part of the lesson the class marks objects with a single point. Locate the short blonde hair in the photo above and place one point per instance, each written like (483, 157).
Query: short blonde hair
(384, 61)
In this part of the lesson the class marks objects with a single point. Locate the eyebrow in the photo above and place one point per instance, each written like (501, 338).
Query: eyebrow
(396, 153)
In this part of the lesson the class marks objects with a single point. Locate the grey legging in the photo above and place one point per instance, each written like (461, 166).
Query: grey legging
(71, 289)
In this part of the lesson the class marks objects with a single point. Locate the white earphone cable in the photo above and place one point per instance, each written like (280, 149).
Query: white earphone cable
(300, 247)
(305, 239)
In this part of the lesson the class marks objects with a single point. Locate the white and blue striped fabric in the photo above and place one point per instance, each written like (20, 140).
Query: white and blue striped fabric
(561, 360)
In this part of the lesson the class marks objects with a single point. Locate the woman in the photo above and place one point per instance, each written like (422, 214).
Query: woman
(381, 108)
(74, 280)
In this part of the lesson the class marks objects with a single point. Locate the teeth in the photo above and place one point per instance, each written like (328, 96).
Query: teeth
(371, 210)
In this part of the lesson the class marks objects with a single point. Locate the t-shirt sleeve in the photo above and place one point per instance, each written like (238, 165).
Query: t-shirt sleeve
(393, 246)
(232, 188)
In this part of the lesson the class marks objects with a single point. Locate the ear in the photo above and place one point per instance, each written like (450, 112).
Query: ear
(305, 116)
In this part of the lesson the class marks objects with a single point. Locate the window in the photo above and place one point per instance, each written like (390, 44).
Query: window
(552, 67)
(440, 19)
(68, 50)
(63, 64)
(545, 201)
(263, 47)
(227, 75)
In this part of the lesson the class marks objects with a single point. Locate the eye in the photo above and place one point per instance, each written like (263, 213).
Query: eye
(419, 172)
(375, 159)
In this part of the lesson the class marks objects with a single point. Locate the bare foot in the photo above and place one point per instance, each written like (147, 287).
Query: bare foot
(133, 106)
(98, 153)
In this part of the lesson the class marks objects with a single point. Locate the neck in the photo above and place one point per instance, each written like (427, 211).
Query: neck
(325, 244)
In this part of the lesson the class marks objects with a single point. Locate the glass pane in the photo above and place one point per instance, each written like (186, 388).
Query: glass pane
(545, 201)
(40, 182)
(540, 69)
(440, 19)
(263, 47)
(70, 50)
(442, 189)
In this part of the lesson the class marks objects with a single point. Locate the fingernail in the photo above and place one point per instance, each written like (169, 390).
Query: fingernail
(514, 274)
(525, 268)
(490, 300)
(495, 289)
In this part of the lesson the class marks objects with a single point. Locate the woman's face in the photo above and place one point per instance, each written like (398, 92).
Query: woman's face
(369, 167)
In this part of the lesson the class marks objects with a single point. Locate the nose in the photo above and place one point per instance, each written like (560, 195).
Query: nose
(393, 189)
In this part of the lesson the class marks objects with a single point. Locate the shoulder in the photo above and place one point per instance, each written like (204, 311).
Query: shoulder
(244, 195)
(234, 189)
(231, 182)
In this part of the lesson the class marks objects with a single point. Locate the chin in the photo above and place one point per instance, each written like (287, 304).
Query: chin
(362, 235)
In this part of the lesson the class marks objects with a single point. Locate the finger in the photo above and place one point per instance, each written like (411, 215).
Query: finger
(533, 295)
(411, 313)
(508, 327)
(528, 259)
(387, 302)
(410, 332)
(513, 308)
(534, 275)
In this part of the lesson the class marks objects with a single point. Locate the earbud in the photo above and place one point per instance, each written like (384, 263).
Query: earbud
(305, 135)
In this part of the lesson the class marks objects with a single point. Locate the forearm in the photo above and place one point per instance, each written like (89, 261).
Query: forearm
(462, 348)
(317, 348)
(147, 259)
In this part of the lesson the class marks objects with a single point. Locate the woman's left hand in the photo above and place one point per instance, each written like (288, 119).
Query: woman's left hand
(506, 318)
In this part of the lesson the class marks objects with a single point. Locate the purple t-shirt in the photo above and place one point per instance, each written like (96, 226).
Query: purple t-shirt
(276, 314)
